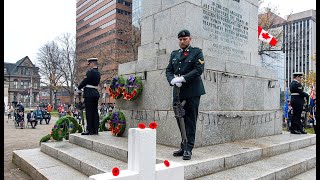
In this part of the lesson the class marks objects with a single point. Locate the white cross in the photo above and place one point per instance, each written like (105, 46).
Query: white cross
(142, 160)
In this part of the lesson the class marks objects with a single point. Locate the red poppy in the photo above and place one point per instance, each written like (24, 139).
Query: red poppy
(141, 125)
(153, 125)
(115, 171)
(186, 53)
(166, 163)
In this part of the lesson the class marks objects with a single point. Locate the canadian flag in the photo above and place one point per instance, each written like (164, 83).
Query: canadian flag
(266, 37)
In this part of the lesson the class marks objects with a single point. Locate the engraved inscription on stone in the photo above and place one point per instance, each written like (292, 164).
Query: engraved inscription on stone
(226, 26)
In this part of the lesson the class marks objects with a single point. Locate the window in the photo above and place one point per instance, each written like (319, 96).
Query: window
(15, 84)
(127, 3)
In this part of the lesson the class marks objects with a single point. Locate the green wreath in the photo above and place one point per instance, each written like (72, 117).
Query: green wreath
(117, 123)
(115, 89)
(63, 127)
(102, 125)
(132, 89)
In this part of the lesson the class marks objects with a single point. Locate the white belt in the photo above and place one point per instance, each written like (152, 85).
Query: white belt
(90, 86)
(295, 94)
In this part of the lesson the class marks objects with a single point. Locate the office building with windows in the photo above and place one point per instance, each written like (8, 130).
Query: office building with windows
(102, 28)
(299, 41)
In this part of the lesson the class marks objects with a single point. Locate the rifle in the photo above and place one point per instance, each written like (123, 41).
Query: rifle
(179, 112)
(80, 105)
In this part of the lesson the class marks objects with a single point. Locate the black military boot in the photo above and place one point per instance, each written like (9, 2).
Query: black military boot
(295, 132)
(178, 153)
(303, 132)
(187, 155)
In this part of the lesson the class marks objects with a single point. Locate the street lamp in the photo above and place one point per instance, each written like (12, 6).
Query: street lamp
(55, 98)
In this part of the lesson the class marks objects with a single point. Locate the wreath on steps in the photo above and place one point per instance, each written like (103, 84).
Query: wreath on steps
(104, 123)
(132, 89)
(63, 127)
(115, 89)
(117, 123)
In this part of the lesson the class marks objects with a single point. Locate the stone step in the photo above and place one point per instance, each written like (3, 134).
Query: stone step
(39, 165)
(280, 167)
(205, 160)
(82, 159)
(308, 175)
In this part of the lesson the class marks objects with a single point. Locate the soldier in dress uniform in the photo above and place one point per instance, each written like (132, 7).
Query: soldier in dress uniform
(184, 70)
(297, 102)
(91, 96)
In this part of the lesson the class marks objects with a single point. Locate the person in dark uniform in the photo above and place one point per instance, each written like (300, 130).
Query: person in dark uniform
(184, 70)
(91, 96)
(297, 102)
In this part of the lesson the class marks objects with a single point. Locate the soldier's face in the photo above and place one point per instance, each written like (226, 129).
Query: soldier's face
(184, 42)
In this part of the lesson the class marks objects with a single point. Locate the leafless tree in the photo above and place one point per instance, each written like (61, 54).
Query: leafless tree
(68, 63)
(49, 59)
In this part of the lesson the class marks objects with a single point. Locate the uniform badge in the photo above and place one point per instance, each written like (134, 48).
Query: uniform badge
(201, 62)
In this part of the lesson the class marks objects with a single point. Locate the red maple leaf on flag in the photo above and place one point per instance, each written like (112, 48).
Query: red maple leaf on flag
(265, 35)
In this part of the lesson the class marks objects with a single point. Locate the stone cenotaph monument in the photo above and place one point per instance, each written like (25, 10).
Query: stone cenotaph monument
(242, 98)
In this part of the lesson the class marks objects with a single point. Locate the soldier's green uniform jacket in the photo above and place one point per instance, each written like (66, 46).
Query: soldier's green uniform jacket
(188, 63)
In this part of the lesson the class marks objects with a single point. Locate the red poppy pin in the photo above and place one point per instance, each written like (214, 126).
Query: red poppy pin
(153, 125)
(115, 171)
(186, 53)
(166, 163)
(141, 125)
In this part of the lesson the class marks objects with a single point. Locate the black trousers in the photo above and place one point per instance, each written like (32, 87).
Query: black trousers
(190, 120)
(92, 115)
(297, 103)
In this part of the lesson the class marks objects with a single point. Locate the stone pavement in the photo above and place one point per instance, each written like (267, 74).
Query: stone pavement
(15, 139)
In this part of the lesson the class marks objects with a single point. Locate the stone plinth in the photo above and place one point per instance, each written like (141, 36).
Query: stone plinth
(241, 100)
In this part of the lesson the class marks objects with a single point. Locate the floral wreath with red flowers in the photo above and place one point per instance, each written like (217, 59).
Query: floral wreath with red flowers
(132, 89)
(63, 127)
(117, 123)
(115, 89)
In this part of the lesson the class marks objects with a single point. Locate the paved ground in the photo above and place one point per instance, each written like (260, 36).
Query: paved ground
(20, 139)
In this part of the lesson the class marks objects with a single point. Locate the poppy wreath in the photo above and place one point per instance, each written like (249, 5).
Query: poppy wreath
(115, 89)
(63, 127)
(132, 89)
(117, 123)
(102, 125)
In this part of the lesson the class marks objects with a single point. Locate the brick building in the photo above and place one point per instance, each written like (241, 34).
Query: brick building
(23, 81)
(103, 30)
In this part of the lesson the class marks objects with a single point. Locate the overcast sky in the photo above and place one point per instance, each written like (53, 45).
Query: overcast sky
(29, 24)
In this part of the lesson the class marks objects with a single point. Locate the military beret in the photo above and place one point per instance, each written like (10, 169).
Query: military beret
(184, 33)
(92, 60)
(298, 74)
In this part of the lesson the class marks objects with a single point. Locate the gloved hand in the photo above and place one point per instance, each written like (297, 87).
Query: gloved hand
(178, 84)
(177, 80)
(78, 90)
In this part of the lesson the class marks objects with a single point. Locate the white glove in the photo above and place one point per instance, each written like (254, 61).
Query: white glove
(78, 90)
(177, 80)
(178, 84)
